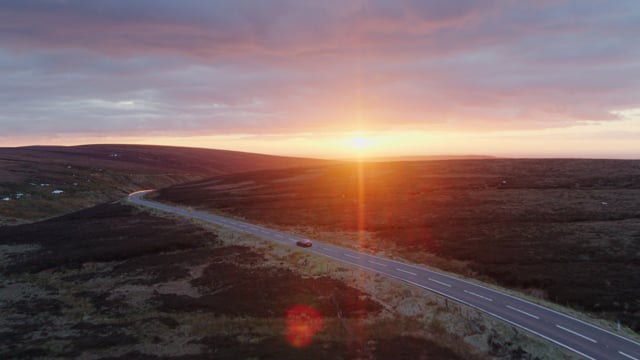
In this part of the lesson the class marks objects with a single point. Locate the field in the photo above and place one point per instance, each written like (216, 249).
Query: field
(114, 282)
(567, 231)
(89, 175)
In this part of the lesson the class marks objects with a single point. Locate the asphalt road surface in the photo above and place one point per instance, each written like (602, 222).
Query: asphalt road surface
(576, 335)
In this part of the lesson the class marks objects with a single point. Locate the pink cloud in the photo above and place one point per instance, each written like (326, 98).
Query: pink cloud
(238, 66)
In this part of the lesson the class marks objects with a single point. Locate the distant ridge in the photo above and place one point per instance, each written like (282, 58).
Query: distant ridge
(37, 182)
(430, 157)
(154, 158)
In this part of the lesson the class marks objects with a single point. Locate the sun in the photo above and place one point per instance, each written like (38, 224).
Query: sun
(359, 143)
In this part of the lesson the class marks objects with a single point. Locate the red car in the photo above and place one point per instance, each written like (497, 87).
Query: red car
(304, 243)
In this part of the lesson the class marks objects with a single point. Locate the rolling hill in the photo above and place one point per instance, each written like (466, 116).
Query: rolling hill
(38, 182)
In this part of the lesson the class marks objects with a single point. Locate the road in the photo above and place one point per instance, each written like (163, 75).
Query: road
(585, 339)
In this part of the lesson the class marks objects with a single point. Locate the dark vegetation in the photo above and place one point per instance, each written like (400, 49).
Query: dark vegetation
(89, 236)
(566, 230)
(93, 174)
(112, 282)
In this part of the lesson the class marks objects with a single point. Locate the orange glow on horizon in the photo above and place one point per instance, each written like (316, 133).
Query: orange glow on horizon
(585, 140)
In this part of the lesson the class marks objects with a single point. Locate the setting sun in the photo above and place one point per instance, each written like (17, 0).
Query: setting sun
(359, 143)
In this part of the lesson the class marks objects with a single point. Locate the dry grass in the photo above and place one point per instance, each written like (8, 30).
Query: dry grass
(408, 311)
(154, 303)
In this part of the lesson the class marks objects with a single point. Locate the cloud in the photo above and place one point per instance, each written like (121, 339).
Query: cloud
(289, 66)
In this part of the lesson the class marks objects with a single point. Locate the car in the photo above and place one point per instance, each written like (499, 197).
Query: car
(304, 243)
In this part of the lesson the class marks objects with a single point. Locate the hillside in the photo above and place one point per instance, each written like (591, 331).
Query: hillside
(565, 231)
(42, 181)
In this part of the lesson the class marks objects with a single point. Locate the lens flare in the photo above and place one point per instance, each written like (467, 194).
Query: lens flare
(303, 322)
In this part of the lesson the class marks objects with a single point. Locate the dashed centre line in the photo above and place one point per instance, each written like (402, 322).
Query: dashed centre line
(523, 312)
(408, 272)
(576, 333)
(627, 356)
(377, 263)
(439, 282)
(329, 249)
(351, 256)
(478, 295)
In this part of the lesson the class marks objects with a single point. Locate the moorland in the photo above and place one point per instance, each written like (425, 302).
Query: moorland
(37, 182)
(560, 230)
(115, 282)
(110, 281)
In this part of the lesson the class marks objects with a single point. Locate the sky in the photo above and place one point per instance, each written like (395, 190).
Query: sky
(329, 79)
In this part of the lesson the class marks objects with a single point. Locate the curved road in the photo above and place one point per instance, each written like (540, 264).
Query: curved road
(576, 335)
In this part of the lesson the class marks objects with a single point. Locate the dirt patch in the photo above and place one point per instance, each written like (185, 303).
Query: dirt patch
(221, 282)
(11, 253)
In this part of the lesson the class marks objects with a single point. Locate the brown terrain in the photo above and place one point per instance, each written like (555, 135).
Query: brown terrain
(93, 174)
(112, 282)
(563, 230)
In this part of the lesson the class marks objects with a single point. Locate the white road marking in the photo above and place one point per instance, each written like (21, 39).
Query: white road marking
(628, 356)
(408, 272)
(440, 282)
(351, 256)
(576, 333)
(329, 249)
(377, 263)
(478, 295)
(523, 312)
